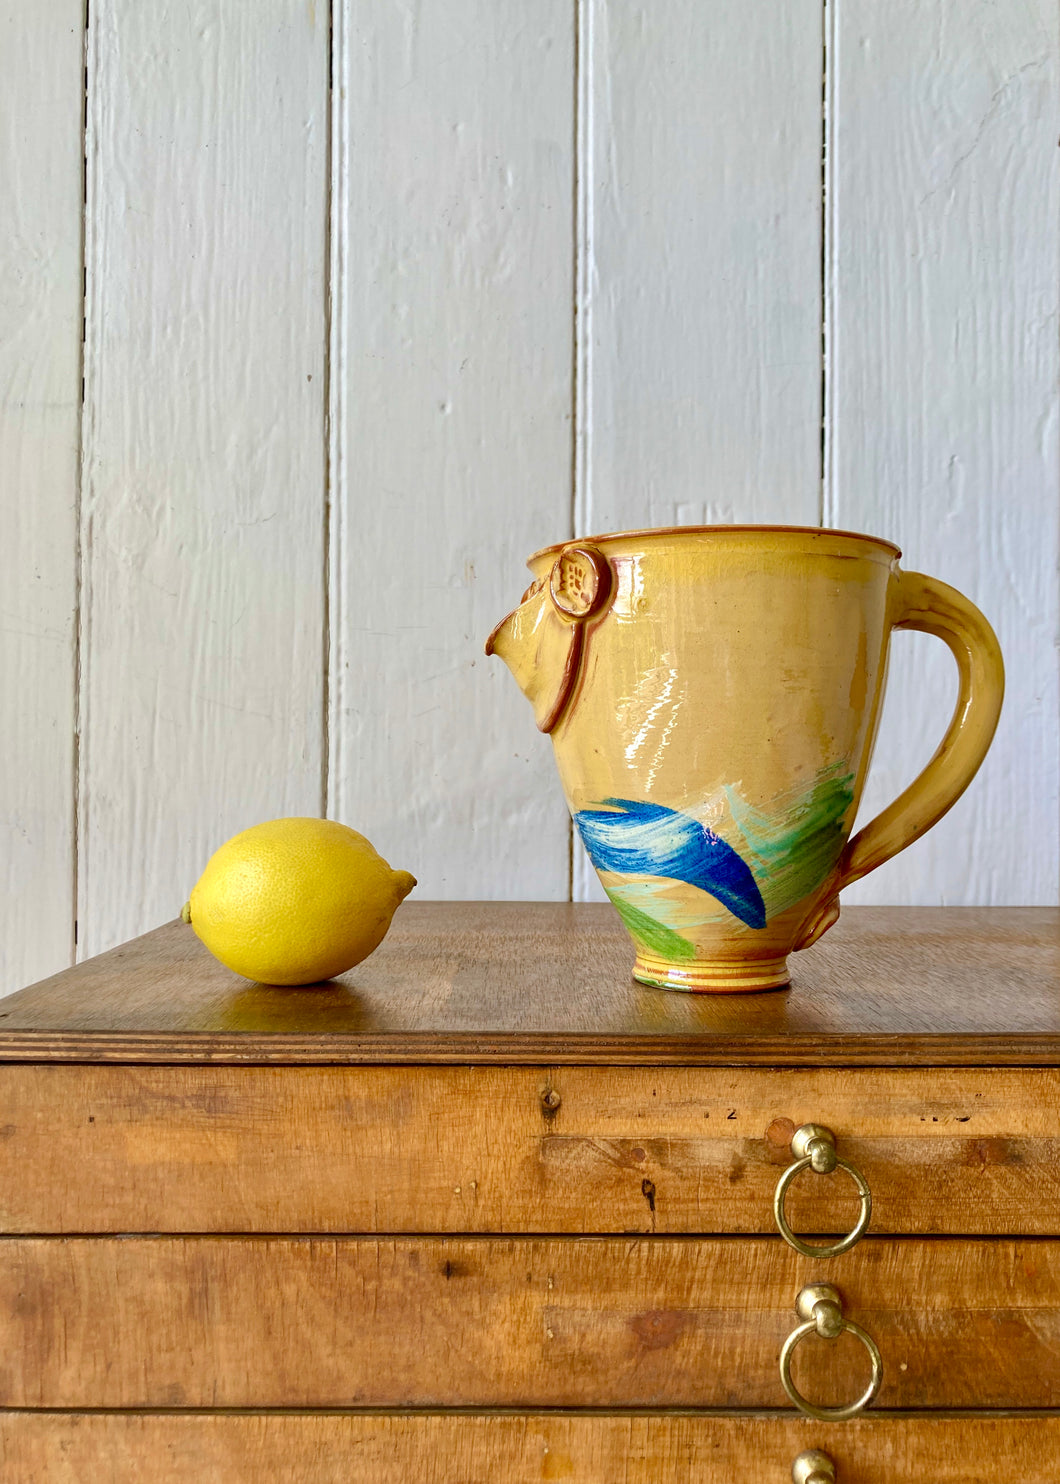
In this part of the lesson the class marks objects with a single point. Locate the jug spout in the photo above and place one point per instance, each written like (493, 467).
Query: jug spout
(508, 643)
(531, 643)
(542, 642)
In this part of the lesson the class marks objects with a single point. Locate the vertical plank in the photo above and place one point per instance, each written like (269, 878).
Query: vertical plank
(700, 305)
(451, 453)
(943, 404)
(705, 353)
(203, 503)
(41, 102)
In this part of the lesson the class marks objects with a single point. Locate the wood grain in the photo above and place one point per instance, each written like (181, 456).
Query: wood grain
(40, 407)
(203, 510)
(451, 451)
(698, 322)
(520, 1449)
(943, 370)
(549, 983)
(656, 1322)
(394, 1149)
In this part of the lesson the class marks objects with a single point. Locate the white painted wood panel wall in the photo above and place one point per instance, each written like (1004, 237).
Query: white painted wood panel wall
(351, 352)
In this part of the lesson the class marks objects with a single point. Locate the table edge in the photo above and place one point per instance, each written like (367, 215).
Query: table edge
(536, 1049)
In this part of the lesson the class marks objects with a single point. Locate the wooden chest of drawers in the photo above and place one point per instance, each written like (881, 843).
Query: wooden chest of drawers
(486, 1210)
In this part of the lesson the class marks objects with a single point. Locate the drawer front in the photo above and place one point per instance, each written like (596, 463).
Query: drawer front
(524, 1322)
(525, 1449)
(525, 1149)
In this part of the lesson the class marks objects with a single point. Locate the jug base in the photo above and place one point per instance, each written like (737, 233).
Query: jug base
(703, 977)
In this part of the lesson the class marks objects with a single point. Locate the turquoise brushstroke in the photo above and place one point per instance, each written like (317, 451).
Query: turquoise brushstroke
(797, 843)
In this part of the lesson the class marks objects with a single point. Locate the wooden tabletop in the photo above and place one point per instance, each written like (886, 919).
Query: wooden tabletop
(550, 982)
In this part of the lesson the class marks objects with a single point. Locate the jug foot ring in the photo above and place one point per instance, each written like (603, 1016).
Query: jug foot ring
(704, 977)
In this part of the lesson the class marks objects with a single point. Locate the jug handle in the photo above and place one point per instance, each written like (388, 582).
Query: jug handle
(931, 606)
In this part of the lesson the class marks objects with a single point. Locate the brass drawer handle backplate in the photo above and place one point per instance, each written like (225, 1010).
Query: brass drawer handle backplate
(821, 1310)
(813, 1467)
(814, 1149)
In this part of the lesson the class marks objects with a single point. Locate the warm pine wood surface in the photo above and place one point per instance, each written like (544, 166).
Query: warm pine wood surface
(520, 1149)
(521, 1449)
(406, 1317)
(661, 1321)
(522, 982)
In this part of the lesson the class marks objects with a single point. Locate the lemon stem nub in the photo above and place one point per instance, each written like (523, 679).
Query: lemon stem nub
(404, 883)
(185, 912)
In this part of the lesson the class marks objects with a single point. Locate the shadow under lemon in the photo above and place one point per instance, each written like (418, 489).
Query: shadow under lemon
(328, 1008)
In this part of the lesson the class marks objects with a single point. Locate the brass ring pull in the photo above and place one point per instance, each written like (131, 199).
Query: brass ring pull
(813, 1467)
(821, 1309)
(814, 1149)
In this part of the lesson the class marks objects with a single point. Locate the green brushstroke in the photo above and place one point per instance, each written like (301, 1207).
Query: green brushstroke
(796, 844)
(653, 935)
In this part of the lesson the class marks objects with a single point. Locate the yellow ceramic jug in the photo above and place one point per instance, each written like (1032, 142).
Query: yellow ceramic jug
(713, 695)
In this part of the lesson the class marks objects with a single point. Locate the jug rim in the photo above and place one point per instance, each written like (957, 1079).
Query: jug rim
(555, 547)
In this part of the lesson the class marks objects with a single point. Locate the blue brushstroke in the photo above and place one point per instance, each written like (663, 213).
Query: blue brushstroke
(650, 840)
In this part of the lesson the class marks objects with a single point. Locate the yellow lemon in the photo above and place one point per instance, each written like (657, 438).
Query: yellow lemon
(295, 901)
